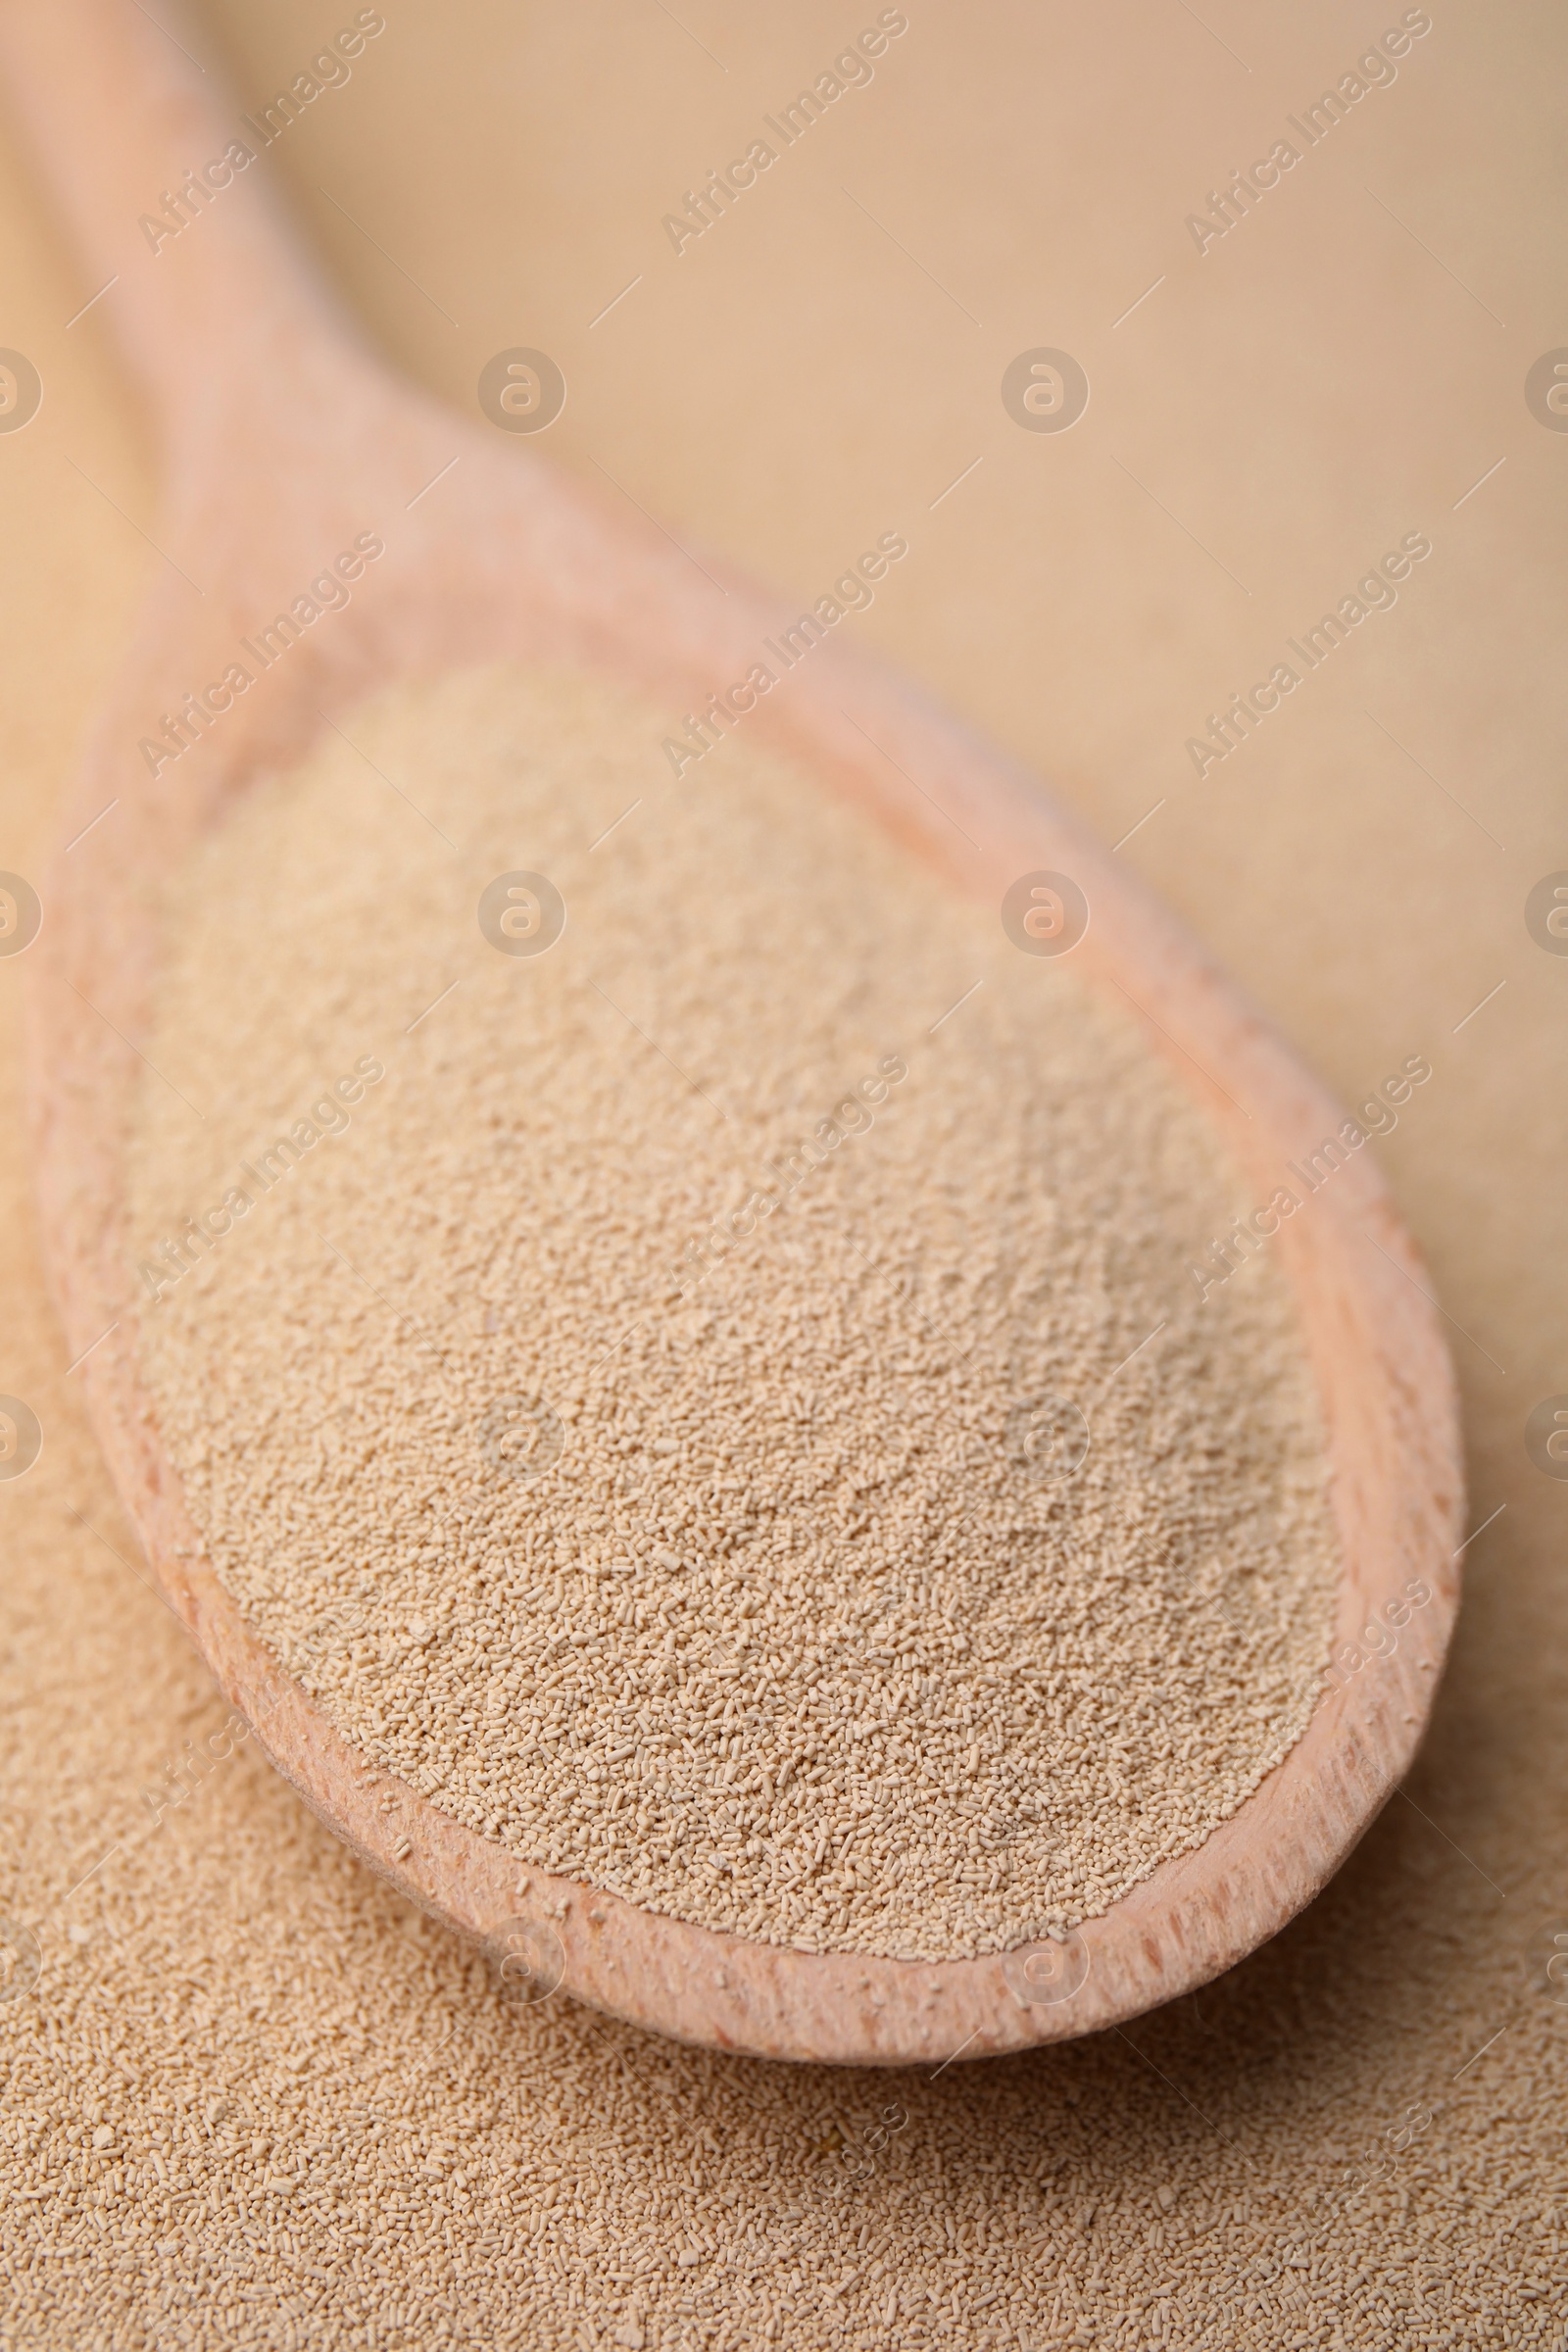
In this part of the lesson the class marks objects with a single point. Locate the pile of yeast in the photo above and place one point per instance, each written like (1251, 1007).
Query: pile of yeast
(691, 1402)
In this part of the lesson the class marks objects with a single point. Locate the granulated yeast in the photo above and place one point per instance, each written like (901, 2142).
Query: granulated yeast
(641, 1395)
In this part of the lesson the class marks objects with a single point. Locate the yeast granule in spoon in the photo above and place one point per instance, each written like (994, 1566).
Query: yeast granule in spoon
(679, 1337)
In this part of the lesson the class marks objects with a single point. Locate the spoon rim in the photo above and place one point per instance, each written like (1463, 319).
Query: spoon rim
(1193, 1916)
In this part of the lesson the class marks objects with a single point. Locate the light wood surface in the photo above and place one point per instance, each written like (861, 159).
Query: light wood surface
(283, 439)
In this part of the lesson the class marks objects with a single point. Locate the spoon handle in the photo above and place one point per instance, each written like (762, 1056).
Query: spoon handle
(166, 189)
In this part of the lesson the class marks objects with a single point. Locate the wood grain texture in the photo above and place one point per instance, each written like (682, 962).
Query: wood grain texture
(283, 441)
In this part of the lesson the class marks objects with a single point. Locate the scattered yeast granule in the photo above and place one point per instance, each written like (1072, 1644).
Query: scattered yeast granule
(678, 1335)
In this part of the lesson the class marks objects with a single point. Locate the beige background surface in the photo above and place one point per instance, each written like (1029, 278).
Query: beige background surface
(322, 2126)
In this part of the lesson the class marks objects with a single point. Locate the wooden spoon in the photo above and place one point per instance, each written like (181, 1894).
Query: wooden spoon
(283, 441)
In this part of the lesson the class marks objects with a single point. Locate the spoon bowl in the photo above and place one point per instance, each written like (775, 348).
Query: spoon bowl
(293, 457)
